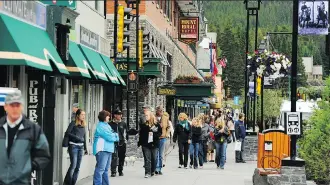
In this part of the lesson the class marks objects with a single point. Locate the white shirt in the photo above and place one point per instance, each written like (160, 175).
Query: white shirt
(12, 125)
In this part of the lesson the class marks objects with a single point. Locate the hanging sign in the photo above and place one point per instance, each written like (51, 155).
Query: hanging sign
(293, 124)
(166, 90)
(189, 29)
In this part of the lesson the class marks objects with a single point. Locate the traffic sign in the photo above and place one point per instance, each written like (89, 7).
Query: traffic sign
(293, 125)
(68, 3)
(132, 82)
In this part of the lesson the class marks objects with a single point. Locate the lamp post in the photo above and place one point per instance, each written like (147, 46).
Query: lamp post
(262, 48)
(252, 8)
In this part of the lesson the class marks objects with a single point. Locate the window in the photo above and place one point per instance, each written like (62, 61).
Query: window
(97, 5)
(169, 10)
(169, 72)
(175, 14)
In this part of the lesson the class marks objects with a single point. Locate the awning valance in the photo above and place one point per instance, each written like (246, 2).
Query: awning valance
(25, 45)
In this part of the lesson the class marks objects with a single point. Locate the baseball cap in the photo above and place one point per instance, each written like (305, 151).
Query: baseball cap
(14, 97)
(75, 105)
(117, 112)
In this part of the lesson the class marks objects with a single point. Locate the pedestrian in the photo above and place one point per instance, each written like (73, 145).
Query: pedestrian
(195, 136)
(75, 107)
(204, 139)
(220, 134)
(24, 147)
(103, 147)
(169, 137)
(240, 133)
(149, 134)
(181, 134)
(211, 142)
(231, 126)
(118, 157)
(142, 120)
(162, 120)
(75, 140)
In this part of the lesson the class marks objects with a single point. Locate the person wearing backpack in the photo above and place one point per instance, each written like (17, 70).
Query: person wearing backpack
(24, 147)
(221, 134)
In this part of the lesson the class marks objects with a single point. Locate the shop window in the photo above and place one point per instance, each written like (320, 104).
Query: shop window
(77, 94)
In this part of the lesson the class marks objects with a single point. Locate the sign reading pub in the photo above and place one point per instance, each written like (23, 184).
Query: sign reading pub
(189, 29)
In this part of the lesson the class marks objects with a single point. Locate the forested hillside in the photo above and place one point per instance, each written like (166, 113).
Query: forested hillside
(228, 19)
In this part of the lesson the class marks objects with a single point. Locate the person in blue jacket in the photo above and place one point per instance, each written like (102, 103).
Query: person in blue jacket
(103, 147)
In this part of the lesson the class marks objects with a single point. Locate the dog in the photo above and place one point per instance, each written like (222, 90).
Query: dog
(130, 160)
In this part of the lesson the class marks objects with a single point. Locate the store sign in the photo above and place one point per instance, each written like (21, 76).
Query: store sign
(189, 29)
(168, 91)
(104, 46)
(29, 11)
(89, 38)
(190, 102)
(34, 107)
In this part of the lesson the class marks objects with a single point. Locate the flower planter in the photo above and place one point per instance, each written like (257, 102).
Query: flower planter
(181, 81)
(195, 81)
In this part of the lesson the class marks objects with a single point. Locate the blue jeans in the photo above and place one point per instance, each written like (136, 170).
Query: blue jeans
(194, 152)
(160, 155)
(76, 153)
(221, 153)
(103, 161)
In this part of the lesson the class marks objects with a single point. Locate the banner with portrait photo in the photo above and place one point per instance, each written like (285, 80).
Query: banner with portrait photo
(313, 17)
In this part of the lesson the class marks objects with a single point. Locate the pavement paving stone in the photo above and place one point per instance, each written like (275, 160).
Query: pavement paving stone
(233, 174)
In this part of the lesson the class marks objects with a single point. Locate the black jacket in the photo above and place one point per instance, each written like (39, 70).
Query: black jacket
(29, 152)
(121, 129)
(195, 134)
(76, 134)
(181, 134)
(144, 136)
(221, 137)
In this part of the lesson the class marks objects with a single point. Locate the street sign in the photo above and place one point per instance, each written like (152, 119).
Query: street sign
(132, 82)
(293, 125)
(68, 3)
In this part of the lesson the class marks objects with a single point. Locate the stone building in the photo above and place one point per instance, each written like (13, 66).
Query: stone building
(160, 19)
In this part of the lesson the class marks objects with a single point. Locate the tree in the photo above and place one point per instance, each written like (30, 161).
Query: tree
(314, 146)
(272, 107)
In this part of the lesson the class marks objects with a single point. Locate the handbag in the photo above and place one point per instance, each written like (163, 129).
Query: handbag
(65, 142)
(229, 139)
(238, 146)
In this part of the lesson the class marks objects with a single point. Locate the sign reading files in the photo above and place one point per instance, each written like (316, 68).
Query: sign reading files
(293, 123)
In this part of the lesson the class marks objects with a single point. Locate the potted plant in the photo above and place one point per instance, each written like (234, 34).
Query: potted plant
(195, 80)
(208, 79)
(180, 80)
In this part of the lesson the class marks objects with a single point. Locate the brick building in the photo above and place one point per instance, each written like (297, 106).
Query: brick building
(160, 19)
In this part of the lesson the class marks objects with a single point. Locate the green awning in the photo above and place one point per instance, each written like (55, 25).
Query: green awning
(113, 69)
(77, 64)
(25, 45)
(97, 63)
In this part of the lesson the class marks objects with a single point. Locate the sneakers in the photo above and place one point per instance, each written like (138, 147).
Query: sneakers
(147, 176)
(186, 167)
(222, 168)
(190, 166)
(113, 174)
(121, 174)
(156, 172)
(201, 167)
(180, 166)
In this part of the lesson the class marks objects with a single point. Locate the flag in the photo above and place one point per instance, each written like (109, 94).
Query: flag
(223, 62)
(211, 62)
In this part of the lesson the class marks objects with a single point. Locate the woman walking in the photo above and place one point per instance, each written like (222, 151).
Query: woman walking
(103, 147)
(195, 135)
(204, 139)
(75, 138)
(220, 134)
(231, 127)
(181, 134)
(149, 134)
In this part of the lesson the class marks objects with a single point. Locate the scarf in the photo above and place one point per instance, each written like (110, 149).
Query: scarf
(184, 124)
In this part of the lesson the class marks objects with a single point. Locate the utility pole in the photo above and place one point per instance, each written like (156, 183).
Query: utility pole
(137, 62)
(294, 67)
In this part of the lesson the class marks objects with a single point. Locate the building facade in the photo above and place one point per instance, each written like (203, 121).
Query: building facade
(160, 19)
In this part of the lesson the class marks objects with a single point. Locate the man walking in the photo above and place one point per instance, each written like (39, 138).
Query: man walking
(118, 158)
(240, 133)
(75, 107)
(163, 122)
(24, 147)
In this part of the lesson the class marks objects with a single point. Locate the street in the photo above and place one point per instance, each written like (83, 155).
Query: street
(233, 174)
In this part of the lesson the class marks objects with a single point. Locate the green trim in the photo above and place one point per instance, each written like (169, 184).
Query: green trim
(113, 70)
(151, 67)
(77, 64)
(193, 91)
(27, 45)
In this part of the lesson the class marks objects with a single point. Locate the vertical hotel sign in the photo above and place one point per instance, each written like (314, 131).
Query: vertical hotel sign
(189, 29)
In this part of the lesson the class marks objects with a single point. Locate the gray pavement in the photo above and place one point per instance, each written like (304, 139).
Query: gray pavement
(233, 174)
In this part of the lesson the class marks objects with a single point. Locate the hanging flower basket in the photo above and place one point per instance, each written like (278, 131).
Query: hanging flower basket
(266, 63)
(181, 81)
(187, 80)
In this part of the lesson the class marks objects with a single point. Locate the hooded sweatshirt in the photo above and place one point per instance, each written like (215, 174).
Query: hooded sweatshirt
(182, 132)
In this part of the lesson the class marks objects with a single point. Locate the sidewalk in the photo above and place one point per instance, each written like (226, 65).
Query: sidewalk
(233, 174)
